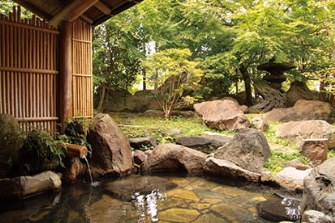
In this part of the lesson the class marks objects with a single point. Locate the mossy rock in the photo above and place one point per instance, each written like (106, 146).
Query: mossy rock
(11, 139)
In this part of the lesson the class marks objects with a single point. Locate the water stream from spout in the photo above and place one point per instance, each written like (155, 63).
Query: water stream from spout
(93, 183)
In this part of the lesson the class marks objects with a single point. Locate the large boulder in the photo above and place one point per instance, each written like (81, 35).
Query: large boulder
(205, 144)
(302, 110)
(248, 149)
(11, 139)
(319, 190)
(224, 114)
(27, 186)
(299, 90)
(172, 157)
(226, 168)
(111, 152)
(300, 130)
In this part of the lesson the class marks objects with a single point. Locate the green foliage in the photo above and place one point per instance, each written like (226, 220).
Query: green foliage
(219, 75)
(11, 139)
(274, 163)
(76, 132)
(230, 38)
(6, 6)
(270, 135)
(40, 152)
(172, 74)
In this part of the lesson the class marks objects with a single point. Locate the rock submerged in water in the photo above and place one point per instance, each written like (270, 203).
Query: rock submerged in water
(126, 187)
(276, 209)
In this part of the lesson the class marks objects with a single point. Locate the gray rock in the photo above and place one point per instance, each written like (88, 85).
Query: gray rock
(300, 130)
(248, 149)
(225, 168)
(224, 114)
(302, 110)
(143, 143)
(125, 188)
(319, 189)
(174, 158)
(205, 144)
(312, 216)
(291, 178)
(260, 124)
(111, 152)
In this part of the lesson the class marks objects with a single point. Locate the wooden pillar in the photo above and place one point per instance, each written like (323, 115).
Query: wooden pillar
(65, 101)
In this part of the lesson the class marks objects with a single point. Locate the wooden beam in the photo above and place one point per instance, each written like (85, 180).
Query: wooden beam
(65, 101)
(103, 8)
(33, 9)
(72, 11)
(86, 19)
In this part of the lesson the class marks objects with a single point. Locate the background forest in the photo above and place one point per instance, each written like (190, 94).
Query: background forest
(219, 41)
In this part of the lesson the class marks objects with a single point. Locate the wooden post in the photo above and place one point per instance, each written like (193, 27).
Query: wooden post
(65, 101)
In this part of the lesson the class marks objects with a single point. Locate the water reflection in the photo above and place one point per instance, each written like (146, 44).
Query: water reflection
(194, 199)
(292, 209)
(147, 204)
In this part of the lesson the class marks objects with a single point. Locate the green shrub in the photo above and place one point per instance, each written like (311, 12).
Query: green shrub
(40, 152)
(76, 132)
(11, 139)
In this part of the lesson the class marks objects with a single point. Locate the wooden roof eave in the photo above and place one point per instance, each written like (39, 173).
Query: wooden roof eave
(77, 8)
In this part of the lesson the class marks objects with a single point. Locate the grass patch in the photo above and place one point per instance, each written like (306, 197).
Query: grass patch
(270, 135)
(158, 127)
(274, 163)
(138, 125)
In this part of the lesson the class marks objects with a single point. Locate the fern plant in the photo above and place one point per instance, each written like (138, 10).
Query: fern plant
(41, 152)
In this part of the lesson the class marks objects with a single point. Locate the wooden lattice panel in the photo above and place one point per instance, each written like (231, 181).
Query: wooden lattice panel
(29, 71)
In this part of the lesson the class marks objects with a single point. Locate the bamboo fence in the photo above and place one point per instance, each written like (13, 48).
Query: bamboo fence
(82, 89)
(29, 71)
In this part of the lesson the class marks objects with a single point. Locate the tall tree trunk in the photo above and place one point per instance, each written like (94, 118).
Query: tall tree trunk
(247, 85)
(102, 98)
(144, 73)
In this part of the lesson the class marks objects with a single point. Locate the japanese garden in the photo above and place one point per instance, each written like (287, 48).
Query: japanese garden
(167, 111)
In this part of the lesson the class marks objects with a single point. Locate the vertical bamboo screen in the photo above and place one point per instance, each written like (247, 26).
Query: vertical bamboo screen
(28, 71)
(82, 69)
